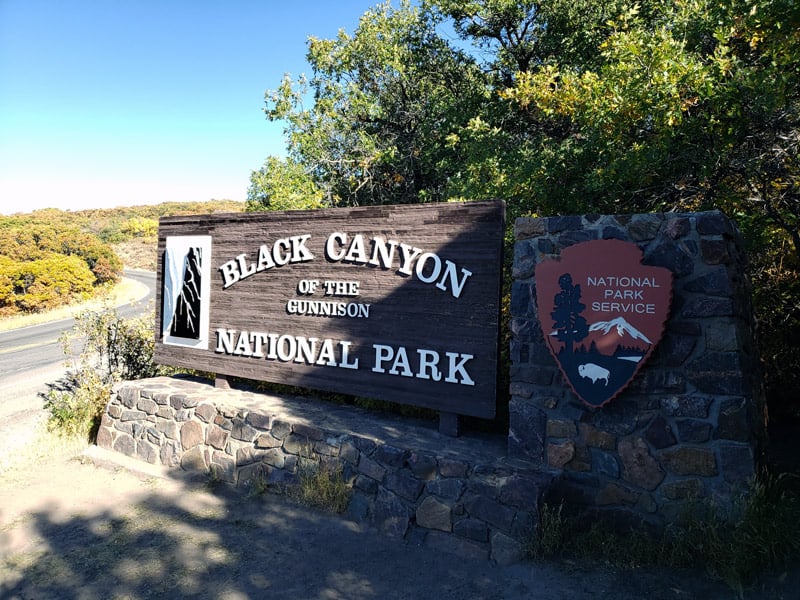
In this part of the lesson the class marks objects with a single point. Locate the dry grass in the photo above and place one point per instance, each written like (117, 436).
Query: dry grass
(321, 485)
(38, 445)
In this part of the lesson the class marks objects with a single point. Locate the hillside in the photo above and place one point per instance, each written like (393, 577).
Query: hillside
(51, 258)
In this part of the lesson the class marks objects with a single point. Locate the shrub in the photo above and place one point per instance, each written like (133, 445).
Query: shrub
(49, 282)
(113, 349)
(75, 409)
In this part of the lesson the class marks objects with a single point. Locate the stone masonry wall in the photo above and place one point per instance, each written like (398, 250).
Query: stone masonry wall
(458, 495)
(688, 426)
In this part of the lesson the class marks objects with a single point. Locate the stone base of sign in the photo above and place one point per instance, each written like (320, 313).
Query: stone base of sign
(690, 425)
(460, 495)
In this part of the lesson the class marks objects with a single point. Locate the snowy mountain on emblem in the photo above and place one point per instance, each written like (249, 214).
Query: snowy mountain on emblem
(622, 326)
(618, 338)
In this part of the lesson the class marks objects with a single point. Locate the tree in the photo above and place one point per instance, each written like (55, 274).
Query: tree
(385, 101)
(684, 105)
(566, 107)
(283, 185)
(570, 325)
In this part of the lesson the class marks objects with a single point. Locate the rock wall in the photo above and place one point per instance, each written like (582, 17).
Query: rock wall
(457, 495)
(688, 427)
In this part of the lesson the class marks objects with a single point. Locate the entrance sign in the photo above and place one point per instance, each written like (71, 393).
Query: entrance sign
(399, 303)
(602, 313)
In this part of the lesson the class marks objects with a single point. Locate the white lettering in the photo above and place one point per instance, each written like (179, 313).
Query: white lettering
(306, 349)
(330, 251)
(456, 284)
(458, 368)
(429, 267)
(245, 270)
(616, 281)
(382, 354)
(624, 307)
(341, 288)
(427, 367)
(230, 274)
(225, 340)
(307, 286)
(400, 365)
(322, 308)
(420, 270)
(264, 258)
(299, 251)
(243, 345)
(285, 348)
(381, 255)
(326, 356)
(258, 339)
(283, 251)
(407, 256)
(356, 252)
(282, 258)
(346, 363)
(273, 344)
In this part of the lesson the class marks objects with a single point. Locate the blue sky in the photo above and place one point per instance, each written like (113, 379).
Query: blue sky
(108, 103)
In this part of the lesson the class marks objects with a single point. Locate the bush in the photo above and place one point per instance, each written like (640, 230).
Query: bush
(75, 409)
(114, 349)
(44, 283)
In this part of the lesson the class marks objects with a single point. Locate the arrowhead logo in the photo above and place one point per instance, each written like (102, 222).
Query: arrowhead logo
(602, 313)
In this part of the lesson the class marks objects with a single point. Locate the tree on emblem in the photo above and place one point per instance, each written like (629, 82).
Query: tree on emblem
(570, 326)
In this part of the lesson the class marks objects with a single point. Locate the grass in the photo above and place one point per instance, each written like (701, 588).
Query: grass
(321, 485)
(42, 445)
(761, 534)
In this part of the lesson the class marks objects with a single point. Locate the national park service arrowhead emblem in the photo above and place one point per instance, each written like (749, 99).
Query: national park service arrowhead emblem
(602, 313)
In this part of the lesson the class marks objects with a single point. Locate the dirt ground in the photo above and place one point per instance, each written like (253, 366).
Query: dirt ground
(99, 525)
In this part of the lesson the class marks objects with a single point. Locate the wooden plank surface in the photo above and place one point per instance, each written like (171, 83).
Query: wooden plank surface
(452, 315)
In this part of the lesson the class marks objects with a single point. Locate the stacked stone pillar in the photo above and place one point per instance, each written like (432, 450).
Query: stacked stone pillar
(689, 425)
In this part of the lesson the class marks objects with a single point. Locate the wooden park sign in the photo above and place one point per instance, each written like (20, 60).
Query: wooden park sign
(602, 313)
(394, 303)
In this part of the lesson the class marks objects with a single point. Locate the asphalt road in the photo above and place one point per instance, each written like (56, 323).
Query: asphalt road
(31, 359)
(37, 346)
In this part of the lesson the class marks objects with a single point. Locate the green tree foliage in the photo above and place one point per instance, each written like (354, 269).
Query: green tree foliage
(41, 252)
(140, 227)
(689, 104)
(385, 100)
(682, 104)
(571, 106)
(47, 263)
(29, 239)
(283, 185)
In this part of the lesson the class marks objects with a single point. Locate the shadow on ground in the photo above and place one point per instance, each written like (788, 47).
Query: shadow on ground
(78, 529)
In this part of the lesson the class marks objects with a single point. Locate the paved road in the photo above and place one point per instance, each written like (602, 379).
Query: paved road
(37, 346)
(31, 359)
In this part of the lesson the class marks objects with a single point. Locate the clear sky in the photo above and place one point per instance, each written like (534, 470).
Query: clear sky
(108, 103)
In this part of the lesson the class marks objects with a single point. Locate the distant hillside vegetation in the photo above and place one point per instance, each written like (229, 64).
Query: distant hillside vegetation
(51, 257)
